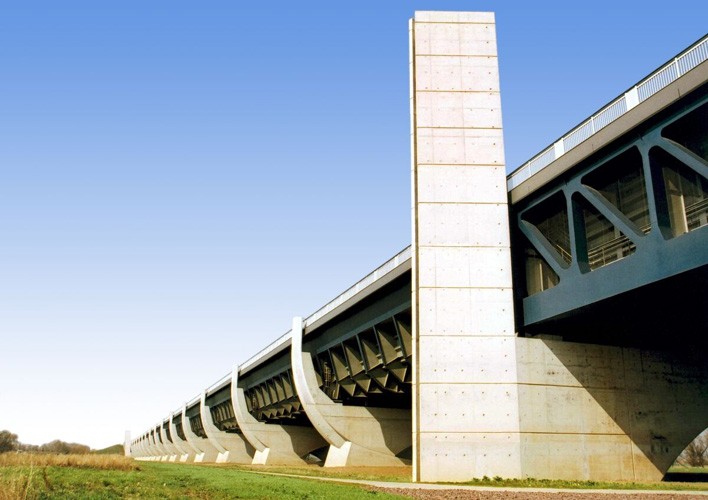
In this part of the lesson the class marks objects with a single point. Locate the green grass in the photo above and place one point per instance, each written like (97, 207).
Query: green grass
(590, 485)
(41, 476)
(166, 481)
(403, 474)
(690, 470)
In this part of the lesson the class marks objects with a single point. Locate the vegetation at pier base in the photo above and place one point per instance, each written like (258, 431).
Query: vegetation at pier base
(29, 476)
(587, 485)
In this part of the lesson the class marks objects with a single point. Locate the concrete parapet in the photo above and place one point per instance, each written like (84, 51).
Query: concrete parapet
(232, 446)
(273, 443)
(356, 435)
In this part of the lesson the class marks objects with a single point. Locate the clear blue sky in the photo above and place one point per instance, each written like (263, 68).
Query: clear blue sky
(180, 178)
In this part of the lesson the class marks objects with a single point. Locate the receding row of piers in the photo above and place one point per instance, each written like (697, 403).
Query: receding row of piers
(303, 423)
(336, 390)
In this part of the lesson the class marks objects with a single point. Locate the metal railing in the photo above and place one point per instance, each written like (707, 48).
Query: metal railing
(264, 352)
(388, 266)
(681, 64)
(219, 383)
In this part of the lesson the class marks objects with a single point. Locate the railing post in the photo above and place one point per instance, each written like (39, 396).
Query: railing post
(558, 149)
(631, 98)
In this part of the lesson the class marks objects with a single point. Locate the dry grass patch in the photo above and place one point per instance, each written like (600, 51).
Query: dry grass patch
(101, 462)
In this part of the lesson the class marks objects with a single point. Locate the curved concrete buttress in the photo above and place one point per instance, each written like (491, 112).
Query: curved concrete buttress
(192, 451)
(274, 444)
(142, 451)
(183, 450)
(154, 447)
(186, 452)
(169, 446)
(205, 451)
(232, 447)
(150, 449)
(140, 448)
(357, 435)
(164, 454)
(136, 450)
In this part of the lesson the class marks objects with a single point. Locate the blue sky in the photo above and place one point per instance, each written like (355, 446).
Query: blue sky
(178, 179)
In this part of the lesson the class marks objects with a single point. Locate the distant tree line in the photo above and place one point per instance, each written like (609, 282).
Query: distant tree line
(696, 453)
(10, 442)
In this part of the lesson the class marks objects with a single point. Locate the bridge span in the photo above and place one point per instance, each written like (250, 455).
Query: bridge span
(549, 324)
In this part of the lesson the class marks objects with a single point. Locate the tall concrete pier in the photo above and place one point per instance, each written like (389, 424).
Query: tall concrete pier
(465, 412)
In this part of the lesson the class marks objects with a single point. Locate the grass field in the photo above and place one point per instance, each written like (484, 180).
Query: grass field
(40, 476)
(49, 476)
(403, 474)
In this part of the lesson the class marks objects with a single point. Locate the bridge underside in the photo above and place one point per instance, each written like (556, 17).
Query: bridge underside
(668, 315)
(618, 243)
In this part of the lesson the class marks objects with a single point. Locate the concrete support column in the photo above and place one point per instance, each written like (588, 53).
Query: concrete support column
(127, 449)
(598, 412)
(205, 451)
(465, 408)
(232, 446)
(274, 444)
(356, 435)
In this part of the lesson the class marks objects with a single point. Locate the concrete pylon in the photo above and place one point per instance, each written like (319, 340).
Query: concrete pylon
(356, 435)
(205, 451)
(274, 444)
(232, 446)
(465, 392)
(185, 452)
(127, 445)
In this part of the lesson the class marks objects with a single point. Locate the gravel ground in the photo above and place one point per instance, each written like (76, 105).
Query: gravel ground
(502, 494)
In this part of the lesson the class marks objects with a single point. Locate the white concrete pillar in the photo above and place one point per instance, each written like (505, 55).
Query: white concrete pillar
(465, 408)
(232, 446)
(274, 444)
(356, 435)
(127, 445)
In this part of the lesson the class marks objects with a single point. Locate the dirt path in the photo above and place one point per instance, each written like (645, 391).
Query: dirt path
(504, 494)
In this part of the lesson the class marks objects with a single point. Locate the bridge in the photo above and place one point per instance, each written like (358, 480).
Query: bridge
(549, 324)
